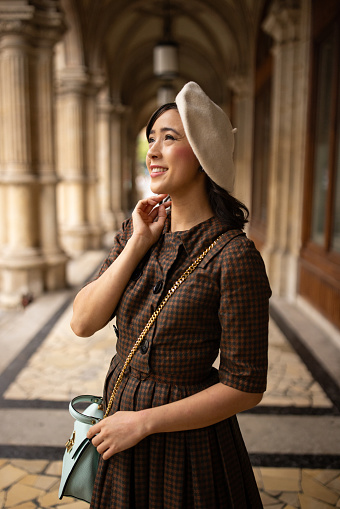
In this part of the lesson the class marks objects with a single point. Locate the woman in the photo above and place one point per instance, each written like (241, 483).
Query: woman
(172, 439)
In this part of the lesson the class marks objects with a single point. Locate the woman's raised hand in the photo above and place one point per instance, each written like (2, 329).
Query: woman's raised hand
(149, 217)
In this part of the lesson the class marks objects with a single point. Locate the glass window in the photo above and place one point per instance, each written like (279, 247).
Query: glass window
(321, 155)
(319, 271)
(325, 140)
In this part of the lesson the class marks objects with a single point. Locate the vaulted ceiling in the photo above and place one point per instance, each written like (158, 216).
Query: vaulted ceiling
(116, 37)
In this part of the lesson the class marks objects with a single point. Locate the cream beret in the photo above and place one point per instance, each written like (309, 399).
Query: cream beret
(209, 133)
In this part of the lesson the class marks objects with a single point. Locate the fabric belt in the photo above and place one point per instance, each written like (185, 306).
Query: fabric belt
(209, 379)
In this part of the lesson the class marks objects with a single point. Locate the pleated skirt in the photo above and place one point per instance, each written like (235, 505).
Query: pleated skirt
(207, 468)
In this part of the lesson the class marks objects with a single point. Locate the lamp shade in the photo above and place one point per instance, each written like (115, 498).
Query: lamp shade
(166, 94)
(165, 60)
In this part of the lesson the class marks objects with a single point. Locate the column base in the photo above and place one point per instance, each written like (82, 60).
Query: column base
(31, 274)
(21, 275)
(77, 239)
(55, 271)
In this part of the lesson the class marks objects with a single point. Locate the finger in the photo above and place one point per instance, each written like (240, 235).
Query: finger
(151, 201)
(146, 206)
(97, 439)
(162, 209)
(154, 213)
(107, 454)
(160, 197)
(101, 448)
(94, 430)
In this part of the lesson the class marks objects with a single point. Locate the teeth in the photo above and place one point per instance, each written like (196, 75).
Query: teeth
(159, 170)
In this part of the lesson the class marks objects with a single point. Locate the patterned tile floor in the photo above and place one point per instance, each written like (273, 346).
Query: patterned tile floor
(29, 483)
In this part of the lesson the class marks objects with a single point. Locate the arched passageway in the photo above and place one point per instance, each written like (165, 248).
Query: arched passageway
(77, 84)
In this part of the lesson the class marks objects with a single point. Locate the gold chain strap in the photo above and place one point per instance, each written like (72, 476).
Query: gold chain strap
(153, 318)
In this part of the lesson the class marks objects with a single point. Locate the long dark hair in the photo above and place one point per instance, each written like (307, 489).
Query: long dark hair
(226, 207)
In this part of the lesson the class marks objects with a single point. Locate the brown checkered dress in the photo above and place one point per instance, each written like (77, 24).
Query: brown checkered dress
(222, 305)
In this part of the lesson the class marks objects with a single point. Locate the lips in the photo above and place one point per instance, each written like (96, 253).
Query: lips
(157, 170)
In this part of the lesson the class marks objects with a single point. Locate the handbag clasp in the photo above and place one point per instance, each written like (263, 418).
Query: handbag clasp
(70, 442)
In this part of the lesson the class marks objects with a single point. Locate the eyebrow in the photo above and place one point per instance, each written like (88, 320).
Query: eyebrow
(163, 129)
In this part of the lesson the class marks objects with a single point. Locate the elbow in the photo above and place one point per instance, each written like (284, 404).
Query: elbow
(255, 399)
(80, 329)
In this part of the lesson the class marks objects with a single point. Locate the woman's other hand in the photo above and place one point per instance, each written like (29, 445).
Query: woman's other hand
(149, 217)
(117, 433)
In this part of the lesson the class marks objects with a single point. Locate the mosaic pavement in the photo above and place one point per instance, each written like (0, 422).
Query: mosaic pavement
(293, 436)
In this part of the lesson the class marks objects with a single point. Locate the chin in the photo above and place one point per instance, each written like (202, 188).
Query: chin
(157, 189)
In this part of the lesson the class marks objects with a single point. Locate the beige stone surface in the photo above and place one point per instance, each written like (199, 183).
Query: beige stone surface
(40, 481)
(284, 488)
(289, 381)
(10, 475)
(55, 468)
(308, 502)
(315, 489)
(290, 481)
(20, 493)
(32, 466)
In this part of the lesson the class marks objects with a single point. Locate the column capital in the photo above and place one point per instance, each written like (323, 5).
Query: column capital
(121, 109)
(104, 104)
(14, 17)
(240, 84)
(41, 20)
(72, 79)
(78, 79)
(283, 21)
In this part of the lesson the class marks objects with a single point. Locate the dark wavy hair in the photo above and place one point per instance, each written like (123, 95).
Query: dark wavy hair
(226, 207)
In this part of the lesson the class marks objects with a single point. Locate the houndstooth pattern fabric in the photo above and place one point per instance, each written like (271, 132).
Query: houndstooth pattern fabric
(222, 306)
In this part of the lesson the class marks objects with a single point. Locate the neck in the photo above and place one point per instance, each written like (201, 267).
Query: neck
(185, 215)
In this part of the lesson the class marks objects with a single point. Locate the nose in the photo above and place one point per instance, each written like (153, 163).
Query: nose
(153, 150)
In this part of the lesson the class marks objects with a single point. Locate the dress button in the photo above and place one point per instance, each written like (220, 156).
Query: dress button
(144, 346)
(158, 287)
(137, 274)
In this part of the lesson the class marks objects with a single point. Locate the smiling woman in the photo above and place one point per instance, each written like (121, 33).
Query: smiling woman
(171, 438)
(173, 166)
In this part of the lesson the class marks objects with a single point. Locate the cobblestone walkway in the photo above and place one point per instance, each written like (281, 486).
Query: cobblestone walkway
(299, 468)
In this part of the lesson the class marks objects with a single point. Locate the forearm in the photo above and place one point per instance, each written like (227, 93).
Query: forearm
(125, 429)
(95, 303)
(200, 410)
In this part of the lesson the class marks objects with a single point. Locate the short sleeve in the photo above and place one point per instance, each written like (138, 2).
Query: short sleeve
(243, 314)
(120, 240)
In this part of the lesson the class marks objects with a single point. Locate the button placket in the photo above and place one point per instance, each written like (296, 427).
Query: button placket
(158, 286)
(144, 346)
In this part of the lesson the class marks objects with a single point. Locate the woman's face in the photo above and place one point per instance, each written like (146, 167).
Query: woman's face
(172, 164)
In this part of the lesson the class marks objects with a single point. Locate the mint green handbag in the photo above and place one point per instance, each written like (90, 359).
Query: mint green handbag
(80, 462)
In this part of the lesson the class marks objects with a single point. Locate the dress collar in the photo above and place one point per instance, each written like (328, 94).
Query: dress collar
(199, 237)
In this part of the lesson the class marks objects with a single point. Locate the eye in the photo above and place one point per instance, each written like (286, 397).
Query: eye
(151, 140)
(169, 137)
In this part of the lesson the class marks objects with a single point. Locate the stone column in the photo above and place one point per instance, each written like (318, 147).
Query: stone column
(128, 148)
(91, 170)
(281, 251)
(242, 87)
(30, 260)
(43, 127)
(104, 112)
(76, 161)
(118, 201)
